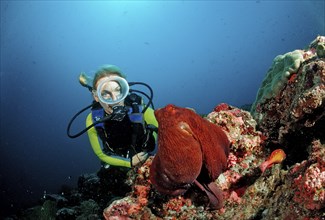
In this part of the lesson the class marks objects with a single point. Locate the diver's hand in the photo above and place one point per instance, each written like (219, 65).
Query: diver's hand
(139, 158)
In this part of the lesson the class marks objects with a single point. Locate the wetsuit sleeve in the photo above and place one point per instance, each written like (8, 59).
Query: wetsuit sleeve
(95, 143)
(149, 117)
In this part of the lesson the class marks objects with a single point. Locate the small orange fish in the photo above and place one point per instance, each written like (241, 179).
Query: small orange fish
(277, 156)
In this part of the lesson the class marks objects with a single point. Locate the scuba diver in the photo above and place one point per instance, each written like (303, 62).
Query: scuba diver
(121, 128)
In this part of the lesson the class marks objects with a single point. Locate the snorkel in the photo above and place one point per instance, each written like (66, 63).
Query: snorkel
(111, 91)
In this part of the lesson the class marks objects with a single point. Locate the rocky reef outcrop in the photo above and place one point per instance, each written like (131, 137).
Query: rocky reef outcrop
(288, 117)
(292, 95)
(278, 192)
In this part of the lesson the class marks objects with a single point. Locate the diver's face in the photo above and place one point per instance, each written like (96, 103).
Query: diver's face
(110, 90)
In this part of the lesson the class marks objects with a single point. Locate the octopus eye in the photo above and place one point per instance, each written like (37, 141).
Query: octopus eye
(185, 128)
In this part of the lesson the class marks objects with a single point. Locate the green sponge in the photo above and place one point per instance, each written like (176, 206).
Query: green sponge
(277, 76)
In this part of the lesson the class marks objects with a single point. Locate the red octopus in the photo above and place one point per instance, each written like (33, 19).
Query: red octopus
(190, 150)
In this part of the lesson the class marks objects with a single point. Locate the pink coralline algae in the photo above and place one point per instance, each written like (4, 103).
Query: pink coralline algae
(300, 193)
(246, 151)
(310, 189)
(310, 184)
(134, 204)
(240, 127)
(118, 212)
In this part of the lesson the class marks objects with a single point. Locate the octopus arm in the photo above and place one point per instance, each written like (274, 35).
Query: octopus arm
(215, 150)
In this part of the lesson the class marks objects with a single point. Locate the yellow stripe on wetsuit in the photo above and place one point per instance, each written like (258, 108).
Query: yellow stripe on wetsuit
(96, 143)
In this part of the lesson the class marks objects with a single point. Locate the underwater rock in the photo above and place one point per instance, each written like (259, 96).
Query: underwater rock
(60, 200)
(45, 211)
(301, 192)
(93, 194)
(89, 209)
(298, 101)
(89, 184)
(66, 213)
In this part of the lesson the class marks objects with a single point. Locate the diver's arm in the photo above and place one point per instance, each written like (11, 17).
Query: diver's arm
(150, 118)
(96, 146)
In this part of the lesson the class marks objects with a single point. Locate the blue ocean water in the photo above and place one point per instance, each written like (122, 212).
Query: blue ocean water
(192, 53)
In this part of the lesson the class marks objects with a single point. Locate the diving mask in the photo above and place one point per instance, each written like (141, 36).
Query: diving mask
(112, 90)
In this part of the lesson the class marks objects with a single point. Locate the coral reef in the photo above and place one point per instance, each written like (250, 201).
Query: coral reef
(275, 168)
(298, 101)
(289, 113)
(302, 190)
(248, 193)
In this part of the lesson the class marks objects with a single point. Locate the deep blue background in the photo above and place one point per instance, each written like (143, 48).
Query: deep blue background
(192, 53)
